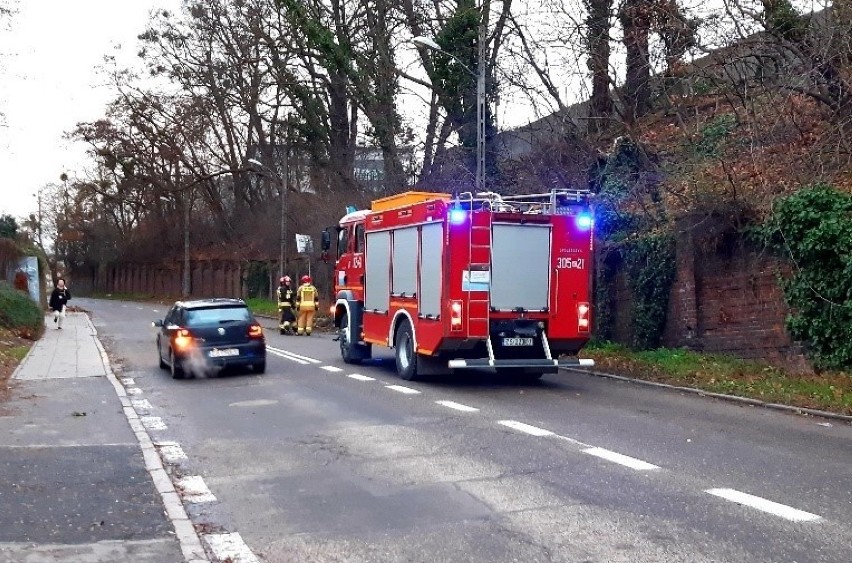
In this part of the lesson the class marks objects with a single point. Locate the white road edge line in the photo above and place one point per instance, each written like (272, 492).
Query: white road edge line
(525, 428)
(194, 489)
(621, 459)
(777, 509)
(287, 357)
(457, 406)
(188, 538)
(359, 377)
(401, 389)
(332, 369)
(230, 547)
(289, 353)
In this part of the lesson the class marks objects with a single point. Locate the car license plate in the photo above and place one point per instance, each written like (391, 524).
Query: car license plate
(223, 353)
(517, 342)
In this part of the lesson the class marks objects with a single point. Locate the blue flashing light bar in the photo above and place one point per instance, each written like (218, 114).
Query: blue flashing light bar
(457, 216)
(584, 221)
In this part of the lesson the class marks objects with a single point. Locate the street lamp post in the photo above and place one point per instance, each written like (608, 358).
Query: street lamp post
(429, 43)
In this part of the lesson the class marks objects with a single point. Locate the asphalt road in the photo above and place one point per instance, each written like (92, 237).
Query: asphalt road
(320, 461)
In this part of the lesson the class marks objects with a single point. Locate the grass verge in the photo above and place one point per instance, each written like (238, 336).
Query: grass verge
(829, 391)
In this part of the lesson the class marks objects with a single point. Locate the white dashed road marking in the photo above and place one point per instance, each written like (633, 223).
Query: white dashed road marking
(401, 389)
(194, 489)
(230, 547)
(621, 459)
(171, 451)
(153, 423)
(525, 428)
(294, 355)
(782, 510)
(134, 391)
(457, 406)
(332, 369)
(359, 377)
(255, 403)
(141, 404)
(128, 381)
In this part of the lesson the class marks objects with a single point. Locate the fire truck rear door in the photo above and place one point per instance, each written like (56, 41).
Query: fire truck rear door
(520, 266)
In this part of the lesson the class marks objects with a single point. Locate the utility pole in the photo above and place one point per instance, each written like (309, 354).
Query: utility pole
(480, 105)
(284, 189)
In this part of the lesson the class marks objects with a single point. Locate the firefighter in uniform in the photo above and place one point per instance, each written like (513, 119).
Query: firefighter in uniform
(286, 304)
(307, 302)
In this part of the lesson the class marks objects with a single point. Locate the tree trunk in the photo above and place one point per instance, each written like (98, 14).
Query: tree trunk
(635, 19)
(598, 23)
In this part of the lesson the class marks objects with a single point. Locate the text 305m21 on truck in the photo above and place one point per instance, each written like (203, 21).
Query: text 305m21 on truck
(476, 281)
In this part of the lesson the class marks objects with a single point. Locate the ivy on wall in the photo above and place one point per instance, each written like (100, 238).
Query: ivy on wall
(651, 267)
(629, 182)
(813, 230)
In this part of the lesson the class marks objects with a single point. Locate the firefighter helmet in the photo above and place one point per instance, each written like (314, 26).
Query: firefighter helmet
(306, 279)
(285, 279)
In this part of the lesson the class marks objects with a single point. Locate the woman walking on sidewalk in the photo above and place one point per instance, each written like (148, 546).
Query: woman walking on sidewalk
(59, 298)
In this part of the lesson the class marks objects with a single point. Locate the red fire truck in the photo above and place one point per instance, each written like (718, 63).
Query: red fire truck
(472, 281)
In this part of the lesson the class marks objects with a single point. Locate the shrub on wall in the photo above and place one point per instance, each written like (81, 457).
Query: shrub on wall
(813, 229)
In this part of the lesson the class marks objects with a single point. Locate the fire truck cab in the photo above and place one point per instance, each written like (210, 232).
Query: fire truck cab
(473, 281)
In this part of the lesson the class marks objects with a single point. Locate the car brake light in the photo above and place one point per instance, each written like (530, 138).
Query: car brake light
(583, 323)
(183, 338)
(255, 331)
(456, 315)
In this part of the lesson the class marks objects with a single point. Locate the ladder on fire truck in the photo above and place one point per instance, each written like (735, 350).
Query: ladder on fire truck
(468, 199)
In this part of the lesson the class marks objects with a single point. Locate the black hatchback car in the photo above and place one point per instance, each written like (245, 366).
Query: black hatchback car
(198, 336)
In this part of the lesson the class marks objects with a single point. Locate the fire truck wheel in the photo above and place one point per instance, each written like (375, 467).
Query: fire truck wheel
(406, 357)
(348, 350)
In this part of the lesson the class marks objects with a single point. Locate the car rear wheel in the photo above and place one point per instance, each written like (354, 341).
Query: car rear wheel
(174, 366)
(259, 368)
(163, 365)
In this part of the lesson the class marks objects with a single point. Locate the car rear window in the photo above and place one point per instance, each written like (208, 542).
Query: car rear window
(217, 315)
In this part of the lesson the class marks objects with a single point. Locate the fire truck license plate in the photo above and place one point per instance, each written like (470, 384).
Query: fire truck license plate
(517, 342)
(223, 352)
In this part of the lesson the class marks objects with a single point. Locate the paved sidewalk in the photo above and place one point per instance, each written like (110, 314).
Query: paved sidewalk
(74, 483)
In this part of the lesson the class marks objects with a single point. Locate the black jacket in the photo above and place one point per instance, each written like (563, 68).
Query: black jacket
(58, 298)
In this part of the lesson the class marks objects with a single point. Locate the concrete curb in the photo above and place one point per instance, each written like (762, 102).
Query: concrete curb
(188, 538)
(722, 396)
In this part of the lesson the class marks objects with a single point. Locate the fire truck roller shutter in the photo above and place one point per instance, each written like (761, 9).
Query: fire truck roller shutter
(377, 272)
(404, 281)
(431, 270)
(520, 267)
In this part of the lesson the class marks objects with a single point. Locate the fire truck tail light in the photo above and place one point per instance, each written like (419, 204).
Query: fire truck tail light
(456, 315)
(583, 310)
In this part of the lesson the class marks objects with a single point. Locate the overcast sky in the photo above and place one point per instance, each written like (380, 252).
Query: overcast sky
(49, 57)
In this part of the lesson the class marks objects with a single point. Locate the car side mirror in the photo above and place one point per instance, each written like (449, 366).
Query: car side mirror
(157, 324)
(325, 243)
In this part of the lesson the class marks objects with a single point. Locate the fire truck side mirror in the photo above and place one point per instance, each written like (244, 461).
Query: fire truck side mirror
(325, 244)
